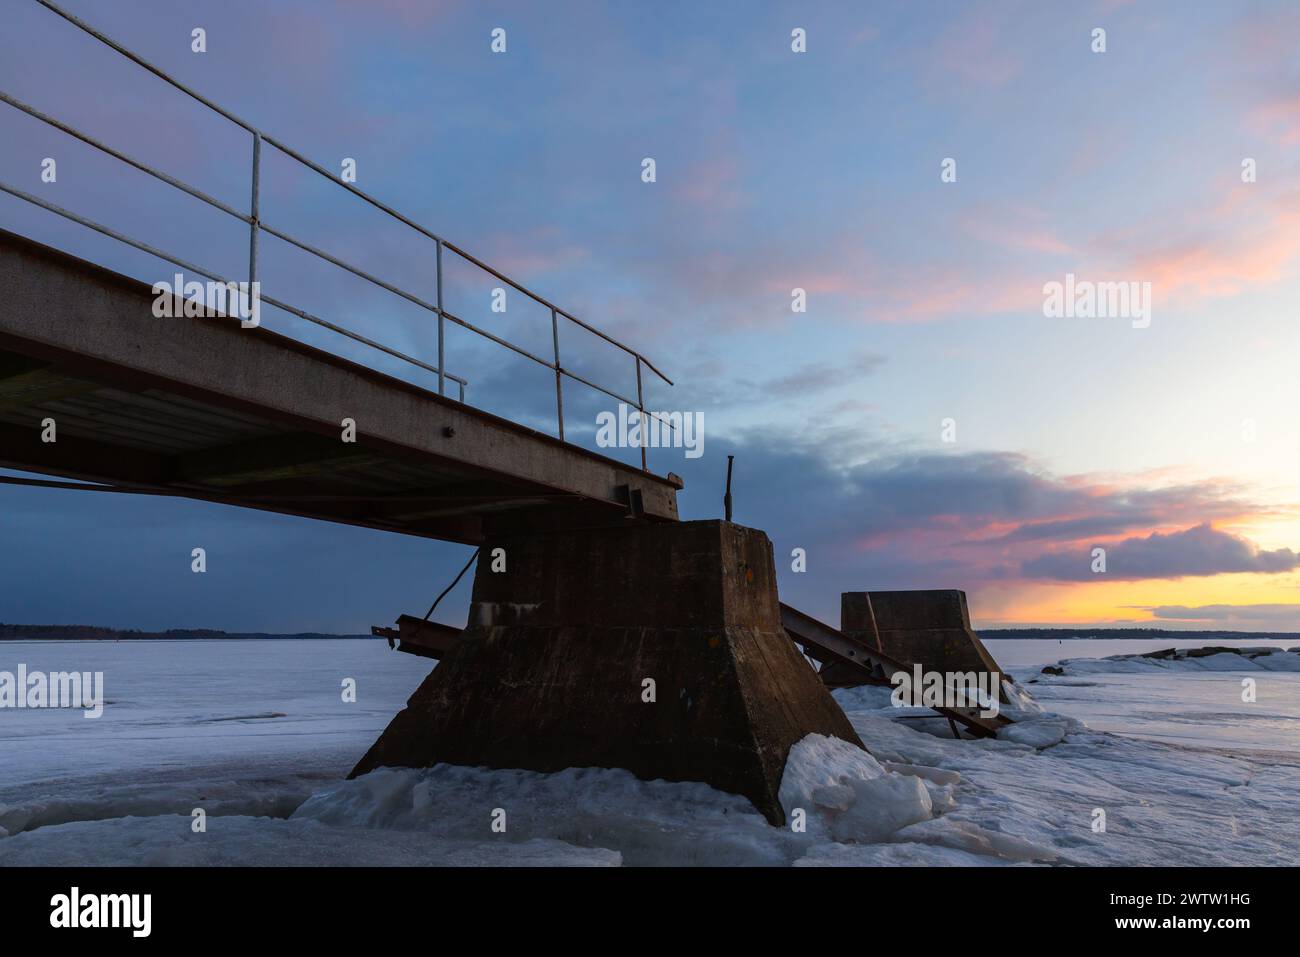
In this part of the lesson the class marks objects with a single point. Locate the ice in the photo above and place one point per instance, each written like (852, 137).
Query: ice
(1240, 659)
(1019, 699)
(91, 800)
(1246, 702)
(969, 837)
(255, 734)
(1039, 731)
(648, 822)
(168, 841)
(864, 698)
(905, 854)
(934, 775)
(846, 793)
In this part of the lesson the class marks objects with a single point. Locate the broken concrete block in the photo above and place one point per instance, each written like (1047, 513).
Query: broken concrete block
(926, 627)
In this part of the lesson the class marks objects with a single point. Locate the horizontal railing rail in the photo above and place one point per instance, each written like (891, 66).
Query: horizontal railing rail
(257, 225)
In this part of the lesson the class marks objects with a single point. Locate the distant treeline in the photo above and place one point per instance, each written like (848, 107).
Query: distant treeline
(1145, 633)
(97, 633)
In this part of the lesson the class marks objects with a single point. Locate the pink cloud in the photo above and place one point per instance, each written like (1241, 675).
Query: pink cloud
(1279, 117)
(994, 517)
(973, 50)
(1239, 245)
(1021, 228)
(711, 184)
(411, 13)
(532, 253)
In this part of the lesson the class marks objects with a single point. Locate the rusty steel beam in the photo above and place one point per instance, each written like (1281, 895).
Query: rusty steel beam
(417, 636)
(825, 642)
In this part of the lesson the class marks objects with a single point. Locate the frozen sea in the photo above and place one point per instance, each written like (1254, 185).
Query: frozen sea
(257, 735)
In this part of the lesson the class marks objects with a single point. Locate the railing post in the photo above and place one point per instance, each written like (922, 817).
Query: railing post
(442, 366)
(559, 376)
(254, 215)
(640, 404)
(254, 222)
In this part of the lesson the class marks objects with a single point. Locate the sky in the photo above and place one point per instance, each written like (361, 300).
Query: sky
(923, 424)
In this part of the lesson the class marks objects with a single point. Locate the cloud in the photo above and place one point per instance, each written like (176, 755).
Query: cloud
(1260, 62)
(1106, 510)
(533, 253)
(710, 184)
(1013, 226)
(1279, 117)
(816, 376)
(402, 13)
(1073, 529)
(714, 388)
(1227, 252)
(1237, 240)
(870, 513)
(1286, 614)
(874, 513)
(1200, 550)
(975, 50)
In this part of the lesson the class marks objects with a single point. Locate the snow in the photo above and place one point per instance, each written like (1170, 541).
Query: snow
(257, 735)
(1240, 659)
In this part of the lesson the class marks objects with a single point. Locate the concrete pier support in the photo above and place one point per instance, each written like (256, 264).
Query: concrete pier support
(655, 648)
(926, 627)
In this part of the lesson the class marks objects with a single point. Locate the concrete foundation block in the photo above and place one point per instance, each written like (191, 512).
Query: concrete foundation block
(552, 670)
(926, 627)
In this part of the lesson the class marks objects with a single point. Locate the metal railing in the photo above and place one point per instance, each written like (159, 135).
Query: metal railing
(256, 226)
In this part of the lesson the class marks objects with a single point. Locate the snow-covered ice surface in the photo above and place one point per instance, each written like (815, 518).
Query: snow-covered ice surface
(1189, 701)
(256, 734)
